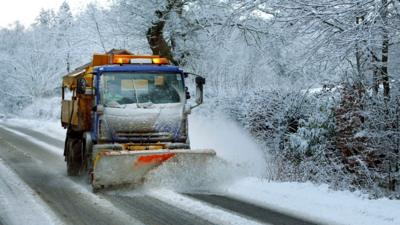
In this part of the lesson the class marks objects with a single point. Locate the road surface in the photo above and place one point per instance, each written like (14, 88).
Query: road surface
(72, 201)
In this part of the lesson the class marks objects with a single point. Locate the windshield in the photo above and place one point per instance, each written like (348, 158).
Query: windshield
(121, 88)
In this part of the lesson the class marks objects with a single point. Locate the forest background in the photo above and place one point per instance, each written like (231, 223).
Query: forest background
(315, 82)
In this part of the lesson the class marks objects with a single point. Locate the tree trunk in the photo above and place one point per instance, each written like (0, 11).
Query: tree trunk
(384, 69)
(385, 51)
(375, 76)
(155, 37)
(359, 83)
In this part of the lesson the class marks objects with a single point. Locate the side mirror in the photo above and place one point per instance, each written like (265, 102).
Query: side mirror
(81, 86)
(200, 81)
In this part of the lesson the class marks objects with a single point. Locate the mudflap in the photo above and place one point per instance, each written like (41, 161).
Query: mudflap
(115, 168)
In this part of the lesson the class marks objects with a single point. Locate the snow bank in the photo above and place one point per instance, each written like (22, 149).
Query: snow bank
(19, 204)
(318, 203)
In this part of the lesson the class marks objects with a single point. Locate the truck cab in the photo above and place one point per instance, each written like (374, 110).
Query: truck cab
(140, 103)
(125, 103)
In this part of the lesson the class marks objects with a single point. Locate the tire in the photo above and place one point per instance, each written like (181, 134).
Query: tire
(73, 156)
(87, 146)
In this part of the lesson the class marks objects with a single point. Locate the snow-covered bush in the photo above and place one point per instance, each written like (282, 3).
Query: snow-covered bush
(273, 117)
(369, 143)
(325, 136)
(310, 148)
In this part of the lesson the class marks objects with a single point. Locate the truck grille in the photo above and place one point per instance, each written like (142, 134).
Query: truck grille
(145, 137)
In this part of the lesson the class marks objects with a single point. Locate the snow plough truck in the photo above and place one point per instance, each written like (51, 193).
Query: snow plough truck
(125, 115)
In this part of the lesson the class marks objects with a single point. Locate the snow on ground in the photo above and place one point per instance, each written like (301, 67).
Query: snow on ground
(317, 202)
(19, 204)
(233, 145)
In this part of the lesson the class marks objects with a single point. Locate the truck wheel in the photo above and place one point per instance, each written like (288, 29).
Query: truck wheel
(74, 156)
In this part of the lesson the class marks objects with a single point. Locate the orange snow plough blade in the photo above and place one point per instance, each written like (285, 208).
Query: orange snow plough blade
(112, 168)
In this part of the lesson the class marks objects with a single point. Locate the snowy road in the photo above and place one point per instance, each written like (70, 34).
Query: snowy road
(70, 201)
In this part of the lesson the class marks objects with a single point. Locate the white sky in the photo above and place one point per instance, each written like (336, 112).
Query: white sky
(27, 10)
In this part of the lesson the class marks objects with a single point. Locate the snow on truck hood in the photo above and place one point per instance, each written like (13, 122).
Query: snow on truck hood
(145, 118)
